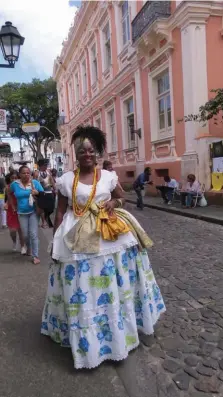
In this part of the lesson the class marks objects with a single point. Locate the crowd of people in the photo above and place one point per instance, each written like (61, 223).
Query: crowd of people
(25, 198)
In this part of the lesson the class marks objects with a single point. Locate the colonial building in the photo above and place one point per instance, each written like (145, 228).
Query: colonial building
(135, 68)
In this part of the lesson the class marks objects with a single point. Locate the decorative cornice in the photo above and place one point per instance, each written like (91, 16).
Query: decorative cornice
(194, 12)
(166, 50)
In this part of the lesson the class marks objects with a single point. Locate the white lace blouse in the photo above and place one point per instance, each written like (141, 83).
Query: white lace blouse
(105, 186)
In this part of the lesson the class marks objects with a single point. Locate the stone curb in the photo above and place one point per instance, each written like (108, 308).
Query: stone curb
(176, 211)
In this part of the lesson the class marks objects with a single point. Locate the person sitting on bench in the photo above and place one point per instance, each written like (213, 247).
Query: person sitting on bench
(167, 189)
(192, 189)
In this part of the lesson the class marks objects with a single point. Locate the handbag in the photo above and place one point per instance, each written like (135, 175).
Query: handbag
(31, 199)
(45, 201)
(37, 200)
(203, 202)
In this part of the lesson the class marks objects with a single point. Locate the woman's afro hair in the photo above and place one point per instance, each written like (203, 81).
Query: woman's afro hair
(94, 134)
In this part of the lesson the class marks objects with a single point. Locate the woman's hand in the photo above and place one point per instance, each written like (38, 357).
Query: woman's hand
(35, 192)
(109, 206)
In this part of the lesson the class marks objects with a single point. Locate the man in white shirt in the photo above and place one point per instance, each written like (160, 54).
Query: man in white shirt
(167, 189)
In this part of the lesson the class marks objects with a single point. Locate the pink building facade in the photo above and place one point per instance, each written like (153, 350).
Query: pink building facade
(134, 69)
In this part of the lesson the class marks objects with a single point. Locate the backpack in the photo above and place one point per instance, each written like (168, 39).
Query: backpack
(2, 185)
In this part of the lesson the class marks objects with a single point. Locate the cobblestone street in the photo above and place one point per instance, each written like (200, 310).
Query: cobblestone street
(187, 259)
(184, 360)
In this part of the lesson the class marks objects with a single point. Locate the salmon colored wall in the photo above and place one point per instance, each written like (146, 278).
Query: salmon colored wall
(177, 76)
(80, 81)
(214, 64)
(114, 42)
(139, 5)
(173, 6)
(88, 73)
(121, 172)
(118, 123)
(67, 101)
(103, 122)
(145, 108)
(99, 57)
(174, 170)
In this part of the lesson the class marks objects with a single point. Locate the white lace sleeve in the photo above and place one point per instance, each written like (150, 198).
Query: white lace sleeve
(61, 184)
(114, 180)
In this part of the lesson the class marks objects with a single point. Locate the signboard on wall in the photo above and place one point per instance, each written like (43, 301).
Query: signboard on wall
(3, 121)
(217, 164)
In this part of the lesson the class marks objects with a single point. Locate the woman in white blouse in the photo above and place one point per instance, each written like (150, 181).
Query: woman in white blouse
(101, 287)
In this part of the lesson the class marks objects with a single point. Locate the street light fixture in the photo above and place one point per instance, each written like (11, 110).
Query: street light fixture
(10, 42)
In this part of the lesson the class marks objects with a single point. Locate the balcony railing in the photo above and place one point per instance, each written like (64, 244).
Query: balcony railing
(150, 12)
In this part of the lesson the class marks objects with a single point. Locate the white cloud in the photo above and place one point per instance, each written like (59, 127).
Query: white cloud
(44, 24)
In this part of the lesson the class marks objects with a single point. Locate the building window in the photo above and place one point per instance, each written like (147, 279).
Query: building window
(107, 44)
(77, 88)
(84, 77)
(164, 103)
(125, 22)
(112, 131)
(94, 64)
(129, 111)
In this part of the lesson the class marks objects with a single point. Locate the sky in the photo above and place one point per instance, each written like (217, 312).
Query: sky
(44, 24)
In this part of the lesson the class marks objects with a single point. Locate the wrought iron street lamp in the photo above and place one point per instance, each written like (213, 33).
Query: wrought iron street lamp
(10, 42)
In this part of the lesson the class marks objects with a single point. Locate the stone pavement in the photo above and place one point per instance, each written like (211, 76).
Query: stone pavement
(211, 213)
(186, 359)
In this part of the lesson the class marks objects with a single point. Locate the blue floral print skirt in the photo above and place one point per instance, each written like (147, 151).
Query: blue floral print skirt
(97, 306)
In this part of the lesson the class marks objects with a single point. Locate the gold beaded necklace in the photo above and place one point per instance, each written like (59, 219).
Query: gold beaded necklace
(80, 211)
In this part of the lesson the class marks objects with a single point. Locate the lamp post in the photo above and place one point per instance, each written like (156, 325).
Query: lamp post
(10, 42)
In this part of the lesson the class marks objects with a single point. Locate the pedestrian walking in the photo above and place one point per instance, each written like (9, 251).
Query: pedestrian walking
(35, 174)
(54, 175)
(47, 182)
(142, 180)
(12, 216)
(2, 203)
(101, 287)
(25, 190)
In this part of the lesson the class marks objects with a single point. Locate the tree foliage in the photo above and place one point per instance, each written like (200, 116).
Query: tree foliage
(210, 110)
(32, 102)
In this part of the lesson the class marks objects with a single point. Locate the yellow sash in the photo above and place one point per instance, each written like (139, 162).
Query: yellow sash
(84, 237)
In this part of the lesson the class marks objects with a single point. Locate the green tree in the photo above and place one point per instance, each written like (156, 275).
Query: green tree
(210, 110)
(32, 102)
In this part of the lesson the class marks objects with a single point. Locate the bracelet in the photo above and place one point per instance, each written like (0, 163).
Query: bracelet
(119, 203)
